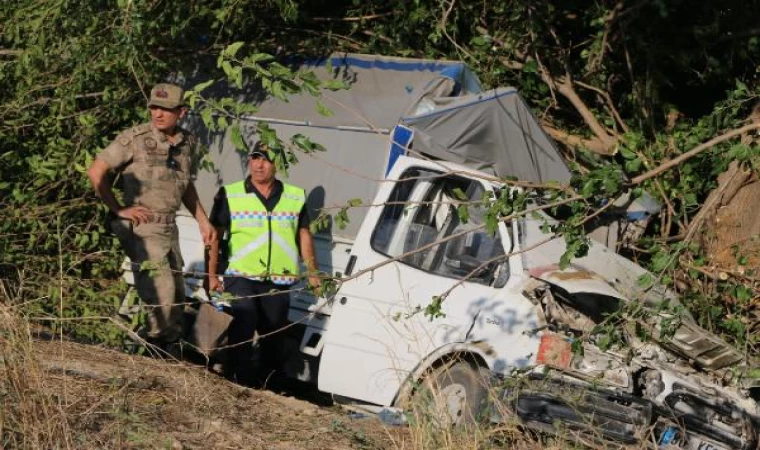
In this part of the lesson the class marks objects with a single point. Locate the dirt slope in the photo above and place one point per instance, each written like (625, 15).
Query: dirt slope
(107, 399)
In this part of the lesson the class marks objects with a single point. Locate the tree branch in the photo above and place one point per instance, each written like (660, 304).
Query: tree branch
(608, 100)
(594, 145)
(693, 152)
(353, 19)
(385, 39)
(596, 61)
(444, 20)
(564, 86)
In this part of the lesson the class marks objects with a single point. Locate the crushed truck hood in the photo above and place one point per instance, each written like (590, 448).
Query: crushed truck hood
(688, 340)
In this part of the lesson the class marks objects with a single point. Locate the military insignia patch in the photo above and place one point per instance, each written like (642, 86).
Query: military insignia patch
(150, 143)
(162, 94)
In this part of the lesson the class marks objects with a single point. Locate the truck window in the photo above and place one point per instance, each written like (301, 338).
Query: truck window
(420, 225)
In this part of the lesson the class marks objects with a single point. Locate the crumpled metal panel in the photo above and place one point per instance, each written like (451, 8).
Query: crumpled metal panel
(575, 281)
(696, 344)
(688, 340)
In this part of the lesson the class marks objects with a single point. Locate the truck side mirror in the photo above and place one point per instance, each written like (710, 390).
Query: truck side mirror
(501, 274)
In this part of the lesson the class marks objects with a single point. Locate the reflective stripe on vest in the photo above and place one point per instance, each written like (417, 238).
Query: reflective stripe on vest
(263, 243)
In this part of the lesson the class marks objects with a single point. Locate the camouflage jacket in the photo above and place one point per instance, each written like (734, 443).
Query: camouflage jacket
(155, 174)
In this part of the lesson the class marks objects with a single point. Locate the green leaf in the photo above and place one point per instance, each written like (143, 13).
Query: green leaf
(531, 66)
(661, 261)
(739, 152)
(463, 213)
(459, 194)
(207, 115)
(236, 137)
(341, 219)
(334, 85)
(492, 225)
(258, 58)
(201, 86)
(576, 346)
(232, 49)
(227, 68)
(627, 154)
(478, 41)
(633, 165)
(323, 110)
(604, 343)
(743, 294)
(645, 281)
(277, 91)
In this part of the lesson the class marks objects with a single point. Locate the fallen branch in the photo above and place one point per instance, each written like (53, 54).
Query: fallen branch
(564, 86)
(352, 19)
(718, 273)
(611, 106)
(693, 152)
(594, 145)
(385, 39)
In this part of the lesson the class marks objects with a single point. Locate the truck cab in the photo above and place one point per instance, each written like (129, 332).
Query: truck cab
(426, 279)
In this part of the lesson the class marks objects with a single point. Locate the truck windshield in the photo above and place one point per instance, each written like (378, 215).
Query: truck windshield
(435, 222)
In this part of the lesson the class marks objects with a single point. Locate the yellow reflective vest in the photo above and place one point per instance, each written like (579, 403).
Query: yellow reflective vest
(263, 244)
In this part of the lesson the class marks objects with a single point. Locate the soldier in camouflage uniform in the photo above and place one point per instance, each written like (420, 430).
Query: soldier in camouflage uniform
(157, 164)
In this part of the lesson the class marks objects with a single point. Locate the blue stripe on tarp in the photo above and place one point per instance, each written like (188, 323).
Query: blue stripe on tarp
(455, 73)
(401, 136)
(401, 66)
(481, 99)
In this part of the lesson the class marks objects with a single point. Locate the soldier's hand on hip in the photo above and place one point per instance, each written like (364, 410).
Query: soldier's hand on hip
(135, 214)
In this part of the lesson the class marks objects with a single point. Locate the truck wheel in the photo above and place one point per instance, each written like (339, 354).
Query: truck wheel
(454, 394)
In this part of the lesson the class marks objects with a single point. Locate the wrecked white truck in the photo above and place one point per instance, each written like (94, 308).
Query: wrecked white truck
(409, 139)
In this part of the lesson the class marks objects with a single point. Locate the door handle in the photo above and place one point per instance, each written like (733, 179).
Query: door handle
(343, 300)
(350, 265)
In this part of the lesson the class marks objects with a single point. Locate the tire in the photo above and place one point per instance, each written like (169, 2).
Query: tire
(454, 394)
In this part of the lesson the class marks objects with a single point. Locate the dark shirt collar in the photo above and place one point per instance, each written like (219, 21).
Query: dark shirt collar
(274, 196)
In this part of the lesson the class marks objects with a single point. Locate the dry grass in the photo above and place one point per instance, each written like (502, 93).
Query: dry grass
(30, 416)
(64, 395)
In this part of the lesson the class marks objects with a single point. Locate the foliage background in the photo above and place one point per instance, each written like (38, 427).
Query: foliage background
(624, 86)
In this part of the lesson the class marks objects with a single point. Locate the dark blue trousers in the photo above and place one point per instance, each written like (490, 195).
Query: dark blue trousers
(257, 307)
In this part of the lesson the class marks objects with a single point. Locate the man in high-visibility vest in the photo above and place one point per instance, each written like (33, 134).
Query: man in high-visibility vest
(263, 226)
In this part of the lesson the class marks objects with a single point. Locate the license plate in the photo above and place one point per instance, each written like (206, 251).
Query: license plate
(671, 436)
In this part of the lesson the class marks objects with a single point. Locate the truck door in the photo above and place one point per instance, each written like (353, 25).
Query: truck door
(416, 245)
